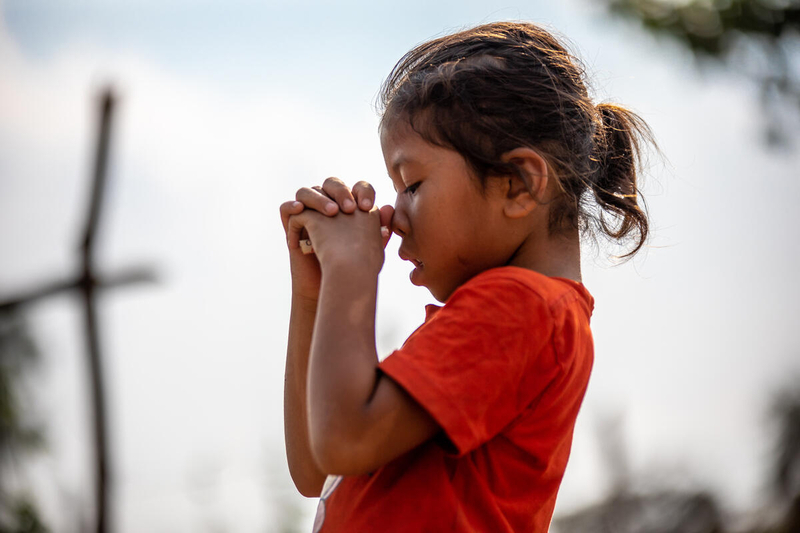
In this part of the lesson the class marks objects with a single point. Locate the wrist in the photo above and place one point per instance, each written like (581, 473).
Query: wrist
(303, 302)
(346, 265)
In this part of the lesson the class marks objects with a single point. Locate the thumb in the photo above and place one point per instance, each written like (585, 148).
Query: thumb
(295, 227)
(386, 213)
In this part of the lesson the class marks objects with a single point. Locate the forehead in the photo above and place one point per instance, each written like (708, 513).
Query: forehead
(402, 146)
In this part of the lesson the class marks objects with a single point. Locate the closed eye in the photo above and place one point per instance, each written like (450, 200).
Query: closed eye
(411, 189)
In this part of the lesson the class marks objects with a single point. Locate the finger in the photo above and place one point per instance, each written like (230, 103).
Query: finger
(341, 194)
(288, 209)
(318, 188)
(364, 195)
(317, 200)
(306, 247)
(295, 227)
(386, 213)
(386, 234)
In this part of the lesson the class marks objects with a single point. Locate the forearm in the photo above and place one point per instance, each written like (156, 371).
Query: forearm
(307, 476)
(343, 363)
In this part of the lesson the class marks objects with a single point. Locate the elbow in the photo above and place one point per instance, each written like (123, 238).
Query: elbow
(308, 484)
(310, 493)
(308, 490)
(340, 453)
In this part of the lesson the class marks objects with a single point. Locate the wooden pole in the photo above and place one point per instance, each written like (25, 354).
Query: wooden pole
(88, 287)
(90, 284)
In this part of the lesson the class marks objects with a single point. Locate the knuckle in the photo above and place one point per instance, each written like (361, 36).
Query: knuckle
(365, 186)
(303, 191)
(332, 182)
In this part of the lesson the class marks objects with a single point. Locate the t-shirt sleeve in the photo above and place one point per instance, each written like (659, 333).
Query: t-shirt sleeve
(470, 365)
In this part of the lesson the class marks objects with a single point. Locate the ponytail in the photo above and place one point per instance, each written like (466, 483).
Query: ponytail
(614, 183)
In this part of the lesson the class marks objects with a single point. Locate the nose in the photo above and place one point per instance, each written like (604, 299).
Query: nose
(400, 224)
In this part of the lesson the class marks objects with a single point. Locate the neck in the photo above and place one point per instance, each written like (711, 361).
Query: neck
(552, 255)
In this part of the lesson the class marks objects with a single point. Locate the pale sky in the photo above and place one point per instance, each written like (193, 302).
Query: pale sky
(224, 112)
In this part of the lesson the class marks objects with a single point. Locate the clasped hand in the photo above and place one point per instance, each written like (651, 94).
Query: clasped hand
(344, 226)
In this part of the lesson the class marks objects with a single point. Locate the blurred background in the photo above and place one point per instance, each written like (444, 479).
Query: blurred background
(692, 417)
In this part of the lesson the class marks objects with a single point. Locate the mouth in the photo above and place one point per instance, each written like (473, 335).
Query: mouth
(405, 257)
(417, 275)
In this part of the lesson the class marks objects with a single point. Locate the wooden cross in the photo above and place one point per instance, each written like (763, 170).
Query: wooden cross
(88, 283)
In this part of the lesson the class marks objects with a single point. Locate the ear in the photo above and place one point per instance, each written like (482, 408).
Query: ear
(525, 190)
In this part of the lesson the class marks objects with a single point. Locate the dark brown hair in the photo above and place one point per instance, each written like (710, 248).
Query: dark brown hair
(487, 90)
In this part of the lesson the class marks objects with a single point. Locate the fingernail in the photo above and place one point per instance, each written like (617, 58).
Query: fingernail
(385, 231)
(330, 208)
(348, 204)
(296, 205)
(366, 203)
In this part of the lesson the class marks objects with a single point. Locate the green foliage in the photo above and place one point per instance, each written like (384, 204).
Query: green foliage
(17, 353)
(786, 470)
(709, 26)
(22, 518)
(757, 38)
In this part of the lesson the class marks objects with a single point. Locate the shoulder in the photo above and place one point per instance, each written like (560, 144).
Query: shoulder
(513, 286)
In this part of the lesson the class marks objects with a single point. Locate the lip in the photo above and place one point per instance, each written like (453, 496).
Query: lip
(406, 257)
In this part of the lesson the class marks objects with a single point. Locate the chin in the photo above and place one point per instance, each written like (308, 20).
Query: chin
(439, 294)
(437, 291)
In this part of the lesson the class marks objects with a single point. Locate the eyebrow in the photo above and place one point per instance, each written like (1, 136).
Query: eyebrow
(405, 160)
(399, 162)
(396, 164)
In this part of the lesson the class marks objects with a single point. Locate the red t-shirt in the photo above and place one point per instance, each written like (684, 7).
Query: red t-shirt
(503, 368)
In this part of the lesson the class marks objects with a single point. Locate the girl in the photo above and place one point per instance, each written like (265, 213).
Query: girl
(500, 160)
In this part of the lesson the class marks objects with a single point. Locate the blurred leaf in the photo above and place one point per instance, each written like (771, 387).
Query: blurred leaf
(24, 519)
(787, 451)
(18, 353)
(756, 38)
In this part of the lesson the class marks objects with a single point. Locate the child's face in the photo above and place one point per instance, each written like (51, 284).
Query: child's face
(451, 229)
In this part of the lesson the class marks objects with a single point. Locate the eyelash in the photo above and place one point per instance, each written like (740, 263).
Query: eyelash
(411, 189)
